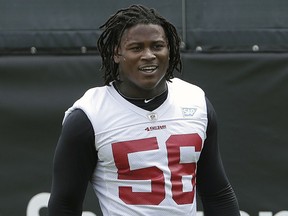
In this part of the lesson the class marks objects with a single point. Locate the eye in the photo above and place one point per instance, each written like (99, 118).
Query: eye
(158, 46)
(136, 48)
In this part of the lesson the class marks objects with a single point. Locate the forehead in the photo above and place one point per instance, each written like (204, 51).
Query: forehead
(143, 32)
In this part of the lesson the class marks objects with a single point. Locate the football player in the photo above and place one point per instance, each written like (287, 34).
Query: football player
(145, 140)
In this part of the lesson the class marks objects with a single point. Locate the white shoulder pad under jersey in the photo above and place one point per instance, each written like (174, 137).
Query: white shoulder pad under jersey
(147, 161)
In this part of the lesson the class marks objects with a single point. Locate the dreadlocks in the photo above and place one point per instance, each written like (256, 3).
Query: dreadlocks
(126, 18)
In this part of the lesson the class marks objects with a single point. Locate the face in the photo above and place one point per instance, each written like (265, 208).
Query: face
(143, 59)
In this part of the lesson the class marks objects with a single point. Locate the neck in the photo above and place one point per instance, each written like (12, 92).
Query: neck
(147, 104)
(143, 96)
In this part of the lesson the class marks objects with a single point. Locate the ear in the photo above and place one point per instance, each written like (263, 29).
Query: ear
(116, 55)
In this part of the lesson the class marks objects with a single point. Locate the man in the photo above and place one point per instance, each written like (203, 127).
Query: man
(145, 140)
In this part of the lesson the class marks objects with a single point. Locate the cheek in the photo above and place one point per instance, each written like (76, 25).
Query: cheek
(129, 61)
(165, 61)
(127, 66)
(165, 55)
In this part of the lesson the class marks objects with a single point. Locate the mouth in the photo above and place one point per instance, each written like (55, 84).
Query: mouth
(148, 68)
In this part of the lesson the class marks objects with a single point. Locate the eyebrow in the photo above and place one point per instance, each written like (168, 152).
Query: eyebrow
(139, 43)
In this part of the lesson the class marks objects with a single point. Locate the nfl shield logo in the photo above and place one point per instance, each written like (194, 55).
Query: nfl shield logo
(152, 116)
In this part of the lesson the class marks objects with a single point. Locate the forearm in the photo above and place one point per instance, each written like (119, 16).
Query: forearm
(223, 203)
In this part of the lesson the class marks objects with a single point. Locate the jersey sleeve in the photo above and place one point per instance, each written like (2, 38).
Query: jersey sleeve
(213, 186)
(74, 162)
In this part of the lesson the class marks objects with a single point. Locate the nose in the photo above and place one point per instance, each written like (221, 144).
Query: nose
(148, 55)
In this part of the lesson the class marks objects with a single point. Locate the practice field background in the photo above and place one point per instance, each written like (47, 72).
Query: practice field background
(237, 51)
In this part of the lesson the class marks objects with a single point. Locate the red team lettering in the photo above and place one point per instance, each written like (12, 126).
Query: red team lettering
(159, 127)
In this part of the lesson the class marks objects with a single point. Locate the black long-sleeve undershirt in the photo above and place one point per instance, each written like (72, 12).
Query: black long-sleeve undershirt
(76, 157)
(213, 186)
(74, 162)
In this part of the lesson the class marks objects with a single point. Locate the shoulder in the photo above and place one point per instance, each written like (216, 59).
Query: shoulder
(92, 92)
(181, 85)
(89, 99)
(186, 92)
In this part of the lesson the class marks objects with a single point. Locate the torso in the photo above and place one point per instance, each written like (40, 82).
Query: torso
(147, 160)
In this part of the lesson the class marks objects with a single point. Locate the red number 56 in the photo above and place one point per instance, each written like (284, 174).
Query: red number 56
(154, 174)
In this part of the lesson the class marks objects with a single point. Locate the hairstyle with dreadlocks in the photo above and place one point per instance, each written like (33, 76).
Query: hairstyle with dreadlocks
(123, 19)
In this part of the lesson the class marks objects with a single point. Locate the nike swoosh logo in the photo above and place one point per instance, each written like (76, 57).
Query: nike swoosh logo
(148, 100)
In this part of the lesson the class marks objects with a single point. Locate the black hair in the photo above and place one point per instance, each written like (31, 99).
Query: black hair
(125, 18)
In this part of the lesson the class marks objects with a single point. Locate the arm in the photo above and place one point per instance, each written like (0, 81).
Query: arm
(213, 186)
(74, 162)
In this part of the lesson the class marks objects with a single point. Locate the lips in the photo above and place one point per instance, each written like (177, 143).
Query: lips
(148, 68)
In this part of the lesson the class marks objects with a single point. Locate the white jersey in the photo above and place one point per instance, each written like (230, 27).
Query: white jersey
(147, 161)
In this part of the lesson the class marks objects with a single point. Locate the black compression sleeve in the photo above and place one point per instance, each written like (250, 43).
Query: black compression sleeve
(74, 162)
(214, 189)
